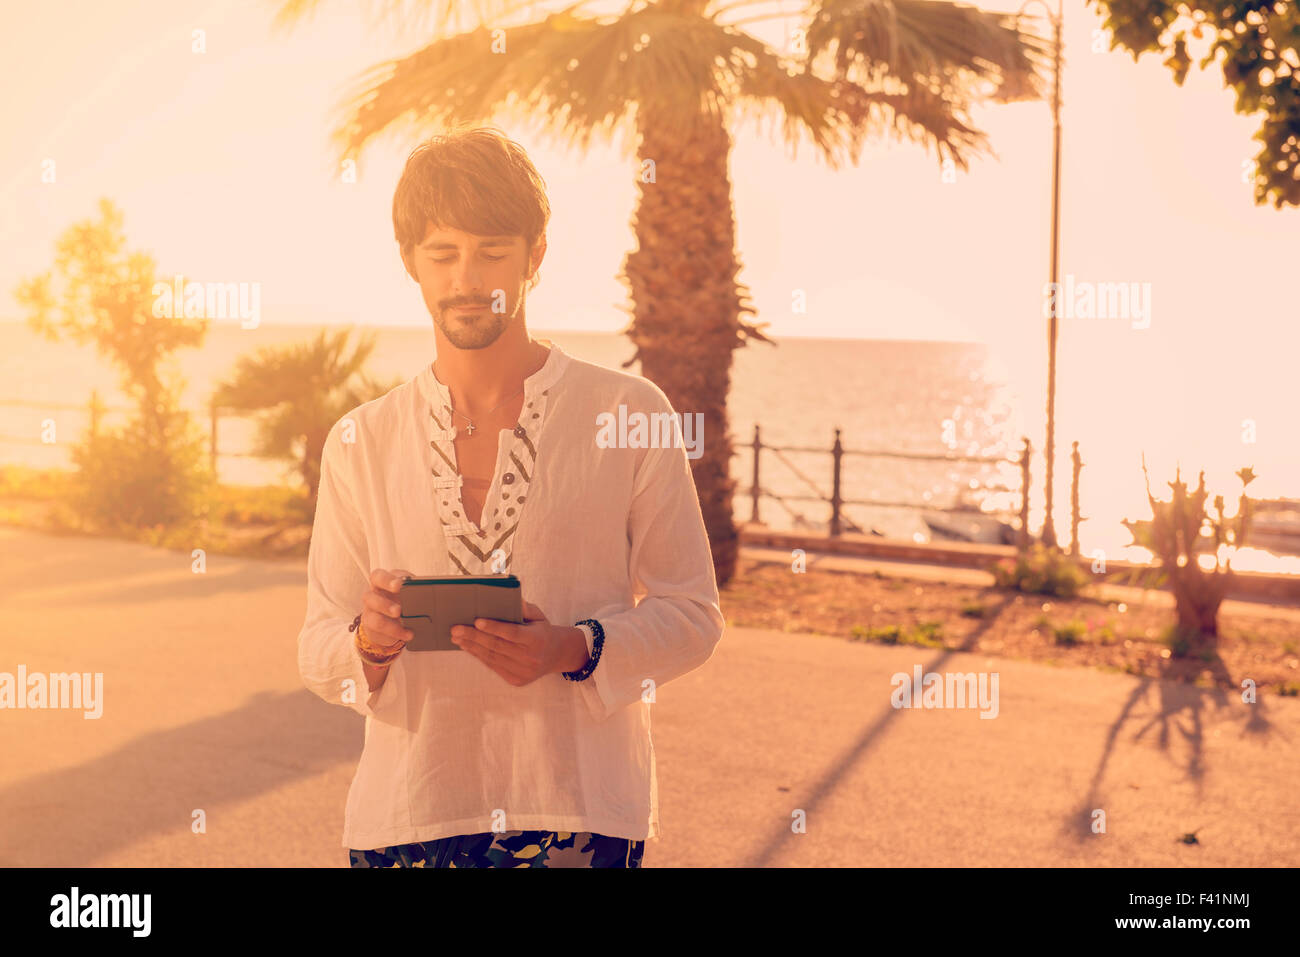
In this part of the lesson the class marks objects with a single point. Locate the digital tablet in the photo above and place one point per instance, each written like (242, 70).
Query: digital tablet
(431, 606)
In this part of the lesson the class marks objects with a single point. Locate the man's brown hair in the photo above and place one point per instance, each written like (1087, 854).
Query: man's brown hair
(473, 179)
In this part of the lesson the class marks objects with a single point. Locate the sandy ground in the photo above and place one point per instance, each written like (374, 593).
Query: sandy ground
(203, 709)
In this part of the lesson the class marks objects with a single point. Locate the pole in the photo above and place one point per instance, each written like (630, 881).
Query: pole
(1049, 529)
(1022, 538)
(1074, 500)
(837, 453)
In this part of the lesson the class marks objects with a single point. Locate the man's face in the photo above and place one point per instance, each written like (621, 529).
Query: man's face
(487, 273)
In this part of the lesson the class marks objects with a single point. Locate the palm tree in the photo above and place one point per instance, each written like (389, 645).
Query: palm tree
(906, 68)
(301, 390)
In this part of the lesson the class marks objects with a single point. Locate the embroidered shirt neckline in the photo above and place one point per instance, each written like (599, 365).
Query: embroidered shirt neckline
(437, 394)
(469, 544)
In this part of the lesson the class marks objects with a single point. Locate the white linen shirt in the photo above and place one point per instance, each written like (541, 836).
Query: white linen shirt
(615, 534)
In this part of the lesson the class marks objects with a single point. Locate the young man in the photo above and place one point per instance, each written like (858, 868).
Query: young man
(530, 746)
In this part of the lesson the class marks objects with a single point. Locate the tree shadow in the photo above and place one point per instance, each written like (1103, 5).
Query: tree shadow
(773, 846)
(1170, 694)
(152, 784)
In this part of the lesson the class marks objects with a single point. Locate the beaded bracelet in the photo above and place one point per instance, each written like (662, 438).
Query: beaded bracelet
(598, 640)
(363, 645)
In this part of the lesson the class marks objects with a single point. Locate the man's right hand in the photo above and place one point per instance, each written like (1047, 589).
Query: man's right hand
(381, 614)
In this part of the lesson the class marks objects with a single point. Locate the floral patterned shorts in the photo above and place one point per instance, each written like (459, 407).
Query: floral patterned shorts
(508, 849)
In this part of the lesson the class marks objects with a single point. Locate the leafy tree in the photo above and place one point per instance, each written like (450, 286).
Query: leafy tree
(1255, 43)
(152, 471)
(677, 74)
(300, 391)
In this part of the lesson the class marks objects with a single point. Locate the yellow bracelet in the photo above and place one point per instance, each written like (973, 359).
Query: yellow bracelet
(382, 663)
(370, 652)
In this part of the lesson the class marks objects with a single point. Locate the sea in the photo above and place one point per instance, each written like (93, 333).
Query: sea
(889, 398)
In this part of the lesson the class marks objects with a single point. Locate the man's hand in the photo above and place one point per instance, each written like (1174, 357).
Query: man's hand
(381, 614)
(523, 653)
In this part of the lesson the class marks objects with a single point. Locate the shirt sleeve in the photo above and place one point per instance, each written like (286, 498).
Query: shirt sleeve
(677, 621)
(338, 575)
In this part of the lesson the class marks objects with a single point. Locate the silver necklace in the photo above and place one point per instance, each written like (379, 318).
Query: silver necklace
(469, 430)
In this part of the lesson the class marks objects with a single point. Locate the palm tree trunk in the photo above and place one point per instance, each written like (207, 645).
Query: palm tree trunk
(687, 304)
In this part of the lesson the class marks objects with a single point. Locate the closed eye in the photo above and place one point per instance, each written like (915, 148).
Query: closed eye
(491, 259)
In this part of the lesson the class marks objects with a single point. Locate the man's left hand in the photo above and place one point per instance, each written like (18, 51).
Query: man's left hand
(521, 654)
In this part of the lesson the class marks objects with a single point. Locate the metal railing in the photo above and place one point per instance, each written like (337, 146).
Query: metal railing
(836, 500)
(96, 409)
(838, 519)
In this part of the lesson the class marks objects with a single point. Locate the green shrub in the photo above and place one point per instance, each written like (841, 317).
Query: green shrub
(885, 634)
(928, 634)
(1071, 633)
(140, 477)
(1040, 570)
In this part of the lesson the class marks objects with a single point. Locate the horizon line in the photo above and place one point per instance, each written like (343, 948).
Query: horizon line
(235, 324)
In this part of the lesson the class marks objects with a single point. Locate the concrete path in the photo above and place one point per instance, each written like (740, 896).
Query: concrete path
(203, 709)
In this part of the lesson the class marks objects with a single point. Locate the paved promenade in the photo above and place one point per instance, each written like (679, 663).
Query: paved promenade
(203, 709)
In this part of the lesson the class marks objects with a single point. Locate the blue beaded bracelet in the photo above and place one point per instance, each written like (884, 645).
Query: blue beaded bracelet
(598, 639)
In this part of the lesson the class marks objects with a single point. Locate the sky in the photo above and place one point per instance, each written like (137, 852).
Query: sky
(221, 163)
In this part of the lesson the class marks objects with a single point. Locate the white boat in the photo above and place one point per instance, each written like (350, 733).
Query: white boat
(1275, 526)
(963, 525)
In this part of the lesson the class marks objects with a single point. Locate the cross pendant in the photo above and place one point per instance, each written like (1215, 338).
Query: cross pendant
(469, 429)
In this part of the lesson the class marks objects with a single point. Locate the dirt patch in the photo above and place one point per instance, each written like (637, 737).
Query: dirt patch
(1117, 636)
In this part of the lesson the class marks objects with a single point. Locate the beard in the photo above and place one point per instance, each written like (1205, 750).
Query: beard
(472, 330)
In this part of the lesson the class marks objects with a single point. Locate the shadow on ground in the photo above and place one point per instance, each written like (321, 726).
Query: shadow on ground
(154, 783)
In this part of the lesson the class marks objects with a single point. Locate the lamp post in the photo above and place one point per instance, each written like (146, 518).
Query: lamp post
(1049, 529)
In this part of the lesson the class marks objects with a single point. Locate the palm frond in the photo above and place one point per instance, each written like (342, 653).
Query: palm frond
(929, 40)
(837, 113)
(577, 74)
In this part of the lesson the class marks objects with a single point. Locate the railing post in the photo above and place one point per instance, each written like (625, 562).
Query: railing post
(753, 511)
(1074, 500)
(1022, 539)
(837, 452)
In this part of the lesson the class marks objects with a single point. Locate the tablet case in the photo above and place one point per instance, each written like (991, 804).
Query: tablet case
(430, 606)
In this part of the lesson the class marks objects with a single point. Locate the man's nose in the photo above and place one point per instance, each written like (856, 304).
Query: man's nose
(469, 280)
